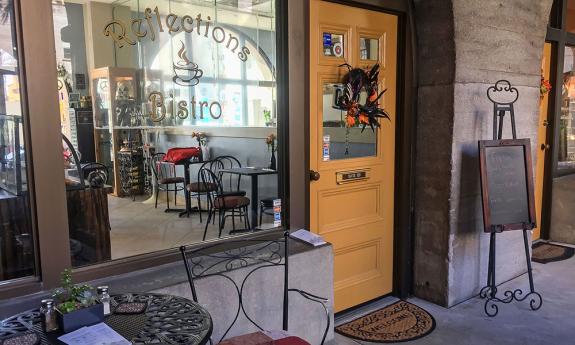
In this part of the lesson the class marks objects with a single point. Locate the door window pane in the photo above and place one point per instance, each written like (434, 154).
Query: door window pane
(369, 48)
(16, 241)
(344, 142)
(197, 67)
(333, 44)
(566, 142)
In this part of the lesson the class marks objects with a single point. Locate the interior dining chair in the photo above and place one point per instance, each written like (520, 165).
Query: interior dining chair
(198, 189)
(230, 182)
(165, 175)
(259, 256)
(220, 203)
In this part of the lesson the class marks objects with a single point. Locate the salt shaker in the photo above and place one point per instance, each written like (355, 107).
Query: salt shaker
(48, 316)
(104, 298)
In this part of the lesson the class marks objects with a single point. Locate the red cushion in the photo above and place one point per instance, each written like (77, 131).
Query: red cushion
(257, 338)
(177, 154)
(291, 341)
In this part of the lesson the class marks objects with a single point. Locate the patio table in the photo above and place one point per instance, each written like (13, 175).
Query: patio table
(167, 320)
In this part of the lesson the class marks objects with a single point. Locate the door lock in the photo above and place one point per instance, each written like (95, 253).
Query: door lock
(314, 175)
(545, 147)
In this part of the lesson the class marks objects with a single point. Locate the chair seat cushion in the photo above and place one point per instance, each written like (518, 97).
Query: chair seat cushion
(201, 187)
(259, 338)
(234, 193)
(268, 202)
(230, 202)
(170, 180)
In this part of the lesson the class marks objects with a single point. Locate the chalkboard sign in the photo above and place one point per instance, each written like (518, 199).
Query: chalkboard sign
(507, 185)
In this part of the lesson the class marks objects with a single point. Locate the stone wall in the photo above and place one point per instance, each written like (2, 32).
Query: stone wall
(464, 47)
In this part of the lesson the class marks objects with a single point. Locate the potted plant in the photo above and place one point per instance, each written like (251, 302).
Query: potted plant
(202, 139)
(271, 142)
(76, 305)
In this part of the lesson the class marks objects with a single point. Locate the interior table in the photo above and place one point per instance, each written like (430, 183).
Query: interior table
(167, 320)
(186, 163)
(253, 173)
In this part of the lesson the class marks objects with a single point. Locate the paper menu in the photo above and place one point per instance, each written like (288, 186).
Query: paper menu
(99, 334)
(308, 237)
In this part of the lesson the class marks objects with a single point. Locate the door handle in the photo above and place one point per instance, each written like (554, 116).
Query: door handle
(545, 123)
(314, 175)
(545, 147)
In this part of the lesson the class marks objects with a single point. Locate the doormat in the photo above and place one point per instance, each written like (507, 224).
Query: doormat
(546, 252)
(400, 321)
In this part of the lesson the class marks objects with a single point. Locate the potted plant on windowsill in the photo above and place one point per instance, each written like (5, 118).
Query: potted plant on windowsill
(76, 305)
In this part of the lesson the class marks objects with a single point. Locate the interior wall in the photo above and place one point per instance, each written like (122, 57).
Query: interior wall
(487, 41)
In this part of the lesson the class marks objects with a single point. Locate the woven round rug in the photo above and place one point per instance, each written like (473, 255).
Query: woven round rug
(400, 321)
(547, 252)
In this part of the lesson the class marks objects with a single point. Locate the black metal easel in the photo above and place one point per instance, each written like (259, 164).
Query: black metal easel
(490, 290)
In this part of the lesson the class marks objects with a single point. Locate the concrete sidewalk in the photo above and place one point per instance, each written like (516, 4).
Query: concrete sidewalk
(466, 323)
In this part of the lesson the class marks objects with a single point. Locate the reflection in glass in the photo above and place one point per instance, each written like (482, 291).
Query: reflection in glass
(188, 96)
(344, 142)
(566, 143)
(16, 240)
(368, 48)
(333, 44)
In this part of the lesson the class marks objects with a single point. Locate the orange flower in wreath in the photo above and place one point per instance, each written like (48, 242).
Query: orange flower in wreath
(363, 119)
(350, 120)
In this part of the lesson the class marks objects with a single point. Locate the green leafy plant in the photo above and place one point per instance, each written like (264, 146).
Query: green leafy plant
(70, 297)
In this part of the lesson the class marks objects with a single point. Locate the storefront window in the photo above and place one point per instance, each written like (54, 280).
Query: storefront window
(16, 241)
(570, 18)
(566, 142)
(142, 78)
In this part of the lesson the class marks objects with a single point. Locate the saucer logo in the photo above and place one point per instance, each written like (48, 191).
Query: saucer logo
(186, 73)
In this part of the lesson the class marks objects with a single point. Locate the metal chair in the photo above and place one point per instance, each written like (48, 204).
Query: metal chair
(220, 202)
(165, 175)
(197, 189)
(218, 261)
(230, 182)
(266, 207)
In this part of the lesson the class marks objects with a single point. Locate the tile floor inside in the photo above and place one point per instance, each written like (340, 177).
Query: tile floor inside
(137, 227)
(467, 324)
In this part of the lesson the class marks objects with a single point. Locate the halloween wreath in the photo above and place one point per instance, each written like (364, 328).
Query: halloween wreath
(348, 99)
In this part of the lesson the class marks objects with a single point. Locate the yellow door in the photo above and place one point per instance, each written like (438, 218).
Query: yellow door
(542, 140)
(351, 204)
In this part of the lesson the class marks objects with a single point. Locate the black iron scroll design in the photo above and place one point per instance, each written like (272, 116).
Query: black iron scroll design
(503, 96)
(209, 261)
(169, 320)
(19, 323)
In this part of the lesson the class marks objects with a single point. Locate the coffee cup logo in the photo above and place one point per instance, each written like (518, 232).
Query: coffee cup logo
(186, 73)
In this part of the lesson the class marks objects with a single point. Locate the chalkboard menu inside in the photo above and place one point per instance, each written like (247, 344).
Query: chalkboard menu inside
(507, 185)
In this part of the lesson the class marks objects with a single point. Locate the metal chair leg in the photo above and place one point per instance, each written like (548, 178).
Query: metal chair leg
(175, 194)
(261, 214)
(208, 223)
(157, 193)
(222, 221)
(247, 218)
(200, 206)
(168, 196)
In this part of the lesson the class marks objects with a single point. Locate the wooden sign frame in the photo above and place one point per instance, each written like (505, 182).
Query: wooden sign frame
(487, 220)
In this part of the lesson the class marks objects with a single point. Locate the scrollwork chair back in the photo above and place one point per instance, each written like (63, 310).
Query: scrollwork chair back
(208, 261)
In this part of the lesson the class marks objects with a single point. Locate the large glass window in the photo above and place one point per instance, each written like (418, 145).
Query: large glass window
(140, 79)
(16, 241)
(566, 142)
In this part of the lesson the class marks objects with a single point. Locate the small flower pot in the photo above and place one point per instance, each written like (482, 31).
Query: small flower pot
(72, 321)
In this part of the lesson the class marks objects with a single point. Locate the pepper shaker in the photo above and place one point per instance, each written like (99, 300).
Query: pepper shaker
(48, 316)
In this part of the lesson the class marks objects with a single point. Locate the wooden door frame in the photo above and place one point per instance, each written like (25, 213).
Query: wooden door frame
(405, 133)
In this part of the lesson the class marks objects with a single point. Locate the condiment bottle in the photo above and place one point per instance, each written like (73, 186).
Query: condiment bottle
(104, 297)
(48, 316)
